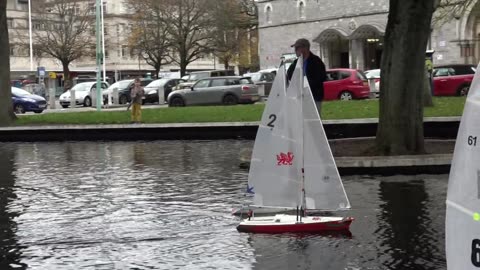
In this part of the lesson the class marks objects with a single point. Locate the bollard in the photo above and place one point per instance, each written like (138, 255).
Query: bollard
(261, 90)
(373, 90)
(52, 99)
(115, 96)
(93, 96)
(161, 96)
(73, 100)
(109, 98)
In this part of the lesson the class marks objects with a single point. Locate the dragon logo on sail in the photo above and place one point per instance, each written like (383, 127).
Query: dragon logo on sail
(285, 159)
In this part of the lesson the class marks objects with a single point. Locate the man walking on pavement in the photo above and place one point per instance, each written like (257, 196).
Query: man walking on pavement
(313, 68)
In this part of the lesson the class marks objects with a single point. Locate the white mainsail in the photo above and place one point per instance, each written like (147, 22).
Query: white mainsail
(463, 199)
(291, 140)
(323, 186)
(273, 184)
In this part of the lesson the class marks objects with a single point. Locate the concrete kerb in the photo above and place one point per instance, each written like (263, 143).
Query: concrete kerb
(445, 128)
(406, 165)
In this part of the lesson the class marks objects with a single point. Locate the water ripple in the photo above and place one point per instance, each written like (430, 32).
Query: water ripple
(166, 205)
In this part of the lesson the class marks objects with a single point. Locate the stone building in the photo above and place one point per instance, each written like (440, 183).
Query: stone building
(348, 33)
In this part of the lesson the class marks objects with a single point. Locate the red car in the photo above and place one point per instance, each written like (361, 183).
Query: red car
(346, 84)
(453, 80)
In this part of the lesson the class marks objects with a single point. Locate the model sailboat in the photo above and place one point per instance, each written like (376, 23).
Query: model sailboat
(292, 166)
(463, 199)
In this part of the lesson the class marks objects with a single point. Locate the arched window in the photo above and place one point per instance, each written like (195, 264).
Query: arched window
(301, 10)
(269, 14)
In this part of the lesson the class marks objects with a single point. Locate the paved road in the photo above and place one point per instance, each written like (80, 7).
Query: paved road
(59, 109)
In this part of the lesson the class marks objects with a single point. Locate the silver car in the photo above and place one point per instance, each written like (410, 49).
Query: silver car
(219, 90)
(263, 80)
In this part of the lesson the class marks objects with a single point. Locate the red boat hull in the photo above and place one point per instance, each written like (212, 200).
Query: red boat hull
(334, 226)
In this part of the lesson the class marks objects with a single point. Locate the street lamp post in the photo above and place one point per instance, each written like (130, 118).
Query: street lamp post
(30, 32)
(99, 100)
(103, 44)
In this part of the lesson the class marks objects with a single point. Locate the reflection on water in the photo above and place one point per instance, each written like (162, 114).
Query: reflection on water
(166, 205)
(10, 250)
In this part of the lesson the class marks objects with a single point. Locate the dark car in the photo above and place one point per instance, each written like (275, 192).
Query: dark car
(453, 80)
(167, 85)
(124, 87)
(24, 102)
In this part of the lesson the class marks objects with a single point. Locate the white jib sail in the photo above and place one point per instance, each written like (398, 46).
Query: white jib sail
(323, 186)
(463, 199)
(274, 175)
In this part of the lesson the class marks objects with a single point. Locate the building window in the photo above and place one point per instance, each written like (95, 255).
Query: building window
(107, 55)
(37, 25)
(37, 53)
(91, 8)
(268, 14)
(301, 10)
(12, 50)
(124, 51)
(104, 3)
(134, 53)
(23, 51)
(10, 23)
(73, 9)
(22, 5)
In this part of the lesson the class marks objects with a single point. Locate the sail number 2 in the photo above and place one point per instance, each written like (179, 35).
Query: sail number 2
(472, 141)
(476, 253)
(273, 119)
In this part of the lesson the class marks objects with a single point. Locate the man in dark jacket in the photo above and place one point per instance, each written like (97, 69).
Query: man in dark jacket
(313, 67)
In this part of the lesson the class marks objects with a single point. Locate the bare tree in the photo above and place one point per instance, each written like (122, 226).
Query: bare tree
(150, 35)
(233, 22)
(6, 110)
(65, 31)
(190, 24)
(447, 10)
(227, 32)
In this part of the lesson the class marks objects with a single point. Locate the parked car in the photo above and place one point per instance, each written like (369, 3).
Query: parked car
(193, 77)
(82, 94)
(124, 87)
(375, 75)
(151, 90)
(346, 84)
(36, 89)
(221, 90)
(262, 79)
(24, 101)
(452, 80)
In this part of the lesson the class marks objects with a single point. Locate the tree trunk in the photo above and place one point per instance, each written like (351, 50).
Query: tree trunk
(226, 64)
(157, 69)
(183, 66)
(6, 109)
(427, 90)
(400, 129)
(67, 80)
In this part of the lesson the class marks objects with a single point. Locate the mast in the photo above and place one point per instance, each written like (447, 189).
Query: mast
(304, 199)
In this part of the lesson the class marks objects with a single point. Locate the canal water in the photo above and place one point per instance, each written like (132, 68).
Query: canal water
(166, 205)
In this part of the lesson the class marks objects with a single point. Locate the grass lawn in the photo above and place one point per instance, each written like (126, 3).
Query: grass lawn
(446, 106)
